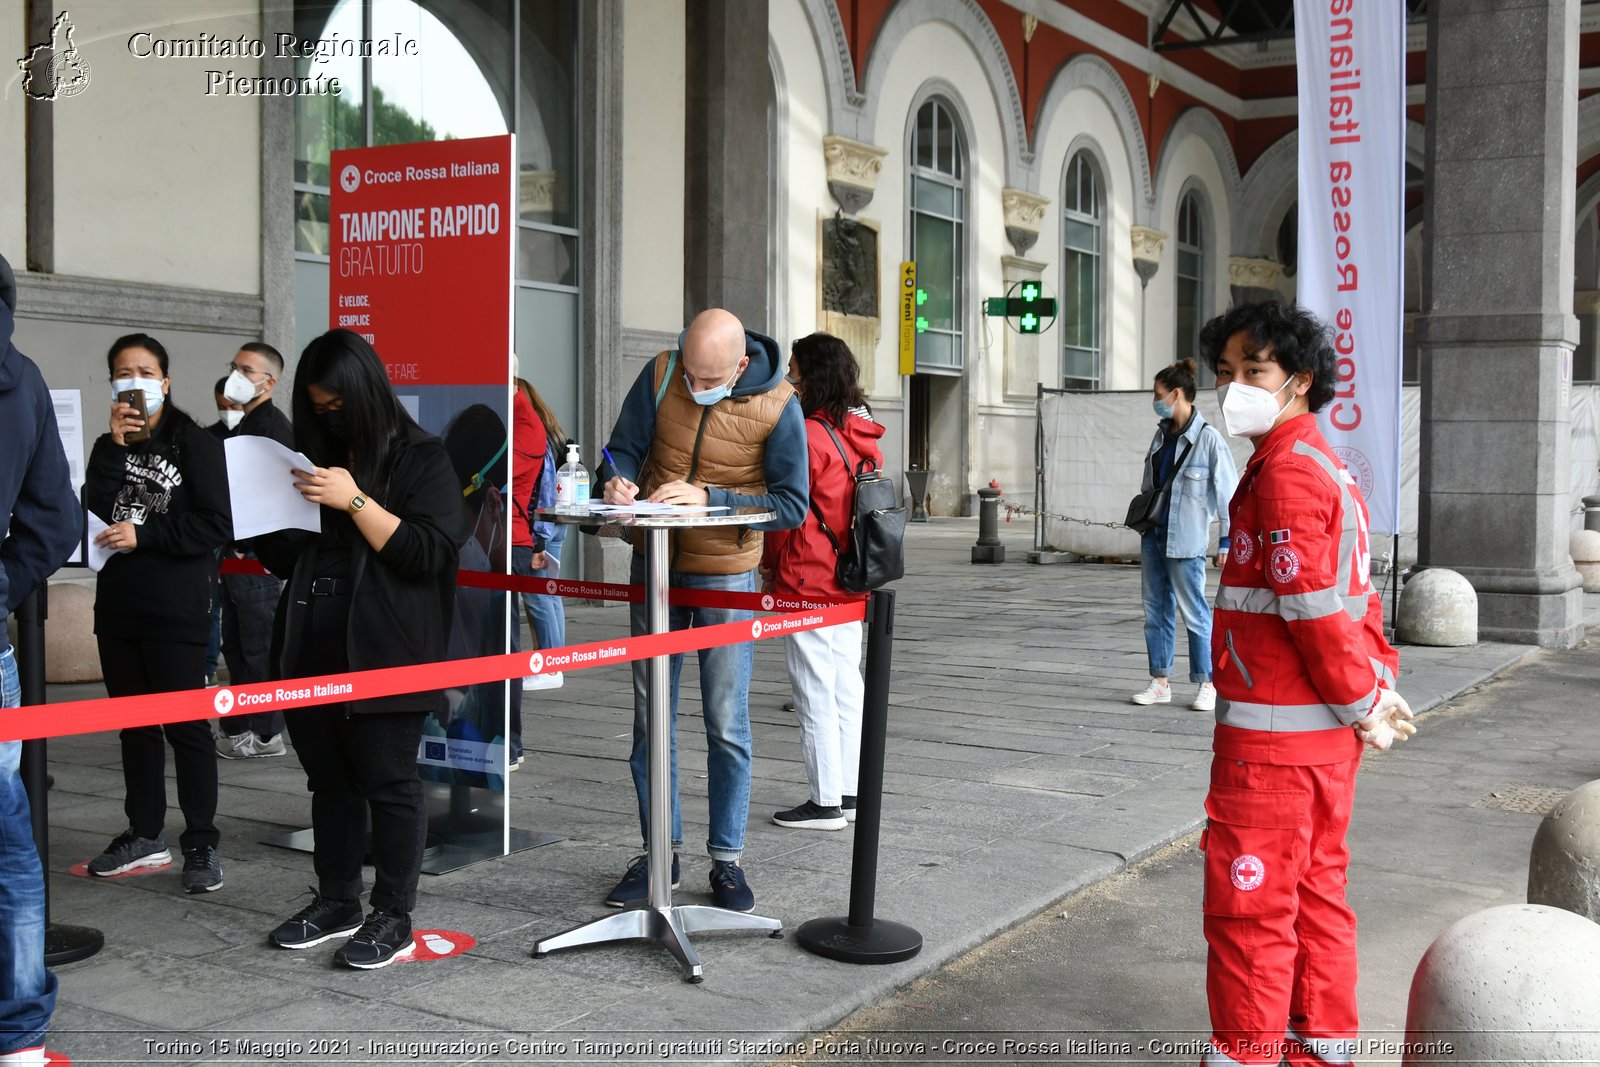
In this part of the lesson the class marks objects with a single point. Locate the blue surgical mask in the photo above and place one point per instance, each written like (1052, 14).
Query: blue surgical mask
(1163, 409)
(710, 396)
(150, 387)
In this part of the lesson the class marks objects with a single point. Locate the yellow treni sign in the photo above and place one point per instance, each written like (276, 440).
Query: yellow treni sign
(908, 318)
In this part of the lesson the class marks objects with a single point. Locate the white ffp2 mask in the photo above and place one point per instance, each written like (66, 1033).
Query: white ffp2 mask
(1249, 410)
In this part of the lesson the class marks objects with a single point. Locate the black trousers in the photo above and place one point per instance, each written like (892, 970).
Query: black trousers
(356, 763)
(248, 604)
(135, 668)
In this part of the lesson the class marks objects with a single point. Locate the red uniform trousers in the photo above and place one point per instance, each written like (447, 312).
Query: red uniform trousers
(1281, 966)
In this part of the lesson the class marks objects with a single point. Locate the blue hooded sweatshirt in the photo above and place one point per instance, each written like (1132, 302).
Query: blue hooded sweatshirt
(38, 509)
(785, 459)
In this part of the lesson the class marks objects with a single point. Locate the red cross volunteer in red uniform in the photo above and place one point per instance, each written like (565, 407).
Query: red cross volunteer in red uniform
(1303, 680)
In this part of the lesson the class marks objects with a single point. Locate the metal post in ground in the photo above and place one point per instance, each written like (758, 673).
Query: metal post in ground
(62, 944)
(989, 548)
(860, 937)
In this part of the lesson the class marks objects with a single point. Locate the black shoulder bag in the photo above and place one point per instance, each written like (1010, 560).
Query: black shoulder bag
(1145, 508)
(873, 552)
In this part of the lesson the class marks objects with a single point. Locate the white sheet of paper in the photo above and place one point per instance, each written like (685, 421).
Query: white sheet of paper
(97, 555)
(261, 486)
(645, 507)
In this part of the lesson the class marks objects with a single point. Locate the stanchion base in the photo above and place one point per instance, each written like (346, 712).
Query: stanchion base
(68, 944)
(881, 942)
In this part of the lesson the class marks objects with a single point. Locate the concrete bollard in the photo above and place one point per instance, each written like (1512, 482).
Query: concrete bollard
(1584, 547)
(1438, 607)
(1564, 866)
(989, 549)
(71, 653)
(1513, 984)
(1591, 513)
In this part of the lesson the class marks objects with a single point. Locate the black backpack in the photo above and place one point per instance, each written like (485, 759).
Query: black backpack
(873, 553)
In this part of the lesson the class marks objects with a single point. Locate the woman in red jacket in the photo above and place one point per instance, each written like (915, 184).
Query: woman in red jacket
(825, 665)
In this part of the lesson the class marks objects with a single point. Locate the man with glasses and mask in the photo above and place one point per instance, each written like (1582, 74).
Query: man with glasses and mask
(249, 600)
(712, 422)
(1304, 686)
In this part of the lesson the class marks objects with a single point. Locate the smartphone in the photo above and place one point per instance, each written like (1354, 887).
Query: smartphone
(134, 398)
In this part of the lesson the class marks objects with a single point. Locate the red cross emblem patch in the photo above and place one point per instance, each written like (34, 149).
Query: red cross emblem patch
(1248, 872)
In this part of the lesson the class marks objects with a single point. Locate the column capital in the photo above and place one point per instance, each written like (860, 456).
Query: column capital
(853, 168)
(1023, 213)
(1148, 245)
(1247, 273)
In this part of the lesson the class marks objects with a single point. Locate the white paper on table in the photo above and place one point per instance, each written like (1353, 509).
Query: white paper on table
(261, 487)
(645, 507)
(94, 525)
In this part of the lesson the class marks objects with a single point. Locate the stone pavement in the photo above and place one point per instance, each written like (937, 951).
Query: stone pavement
(1018, 772)
(1442, 829)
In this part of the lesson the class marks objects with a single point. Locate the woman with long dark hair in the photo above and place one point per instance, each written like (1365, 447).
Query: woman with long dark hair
(825, 664)
(376, 588)
(158, 479)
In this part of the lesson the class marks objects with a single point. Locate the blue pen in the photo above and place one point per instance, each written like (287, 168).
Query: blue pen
(606, 452)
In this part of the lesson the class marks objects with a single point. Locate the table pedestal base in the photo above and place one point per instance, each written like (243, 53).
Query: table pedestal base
(669, 926)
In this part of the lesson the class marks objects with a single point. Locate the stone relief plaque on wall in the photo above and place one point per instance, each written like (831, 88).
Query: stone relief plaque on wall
(849, 267)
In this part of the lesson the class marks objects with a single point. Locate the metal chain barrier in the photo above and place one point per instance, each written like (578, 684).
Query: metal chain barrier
(1013, 508)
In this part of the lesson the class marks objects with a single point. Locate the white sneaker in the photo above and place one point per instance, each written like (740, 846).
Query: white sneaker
(544, 681)
(1154, 693)
(1206, 698)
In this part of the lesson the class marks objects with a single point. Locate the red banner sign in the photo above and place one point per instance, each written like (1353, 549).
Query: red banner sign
(421, 257)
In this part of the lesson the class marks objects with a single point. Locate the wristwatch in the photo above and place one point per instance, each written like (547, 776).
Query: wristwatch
(357, 502)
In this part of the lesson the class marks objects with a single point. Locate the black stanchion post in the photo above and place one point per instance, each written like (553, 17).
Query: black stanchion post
(62, 944)
(859, 937)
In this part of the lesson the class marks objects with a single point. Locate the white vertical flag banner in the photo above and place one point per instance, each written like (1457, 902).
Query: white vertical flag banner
(1351, 58)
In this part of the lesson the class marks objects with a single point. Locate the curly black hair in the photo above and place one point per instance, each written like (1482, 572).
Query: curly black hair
(1287, 334)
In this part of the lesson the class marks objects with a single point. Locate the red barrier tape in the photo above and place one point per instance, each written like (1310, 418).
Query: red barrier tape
(112, 713)
(689, 598)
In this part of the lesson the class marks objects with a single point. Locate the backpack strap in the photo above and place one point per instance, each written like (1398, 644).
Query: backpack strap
(666, 379)
(832, 540)
(814, 510)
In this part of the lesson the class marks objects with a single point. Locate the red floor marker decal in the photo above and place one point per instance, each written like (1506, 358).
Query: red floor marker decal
(81, 870)
(437, 945)
(60, 1058)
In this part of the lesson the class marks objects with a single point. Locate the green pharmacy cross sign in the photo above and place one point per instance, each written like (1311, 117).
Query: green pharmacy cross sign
(1024, 306)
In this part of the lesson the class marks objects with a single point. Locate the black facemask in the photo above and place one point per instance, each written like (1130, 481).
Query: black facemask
(332, 423)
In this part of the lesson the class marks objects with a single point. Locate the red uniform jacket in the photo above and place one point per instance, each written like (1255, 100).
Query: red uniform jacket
(802, 560)
(527, 461)
(1298, 631)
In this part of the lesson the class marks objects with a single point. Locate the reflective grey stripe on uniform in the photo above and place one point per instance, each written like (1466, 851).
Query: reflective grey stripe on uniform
(1382, 671)
(1215, 1057)
(1334, 1051)
(1279, 718)
(1249, 601)
(1292, 607)
(1349, 713)
(1349, 534)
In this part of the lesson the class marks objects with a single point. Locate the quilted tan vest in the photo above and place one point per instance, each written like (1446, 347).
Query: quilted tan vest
(722, 446)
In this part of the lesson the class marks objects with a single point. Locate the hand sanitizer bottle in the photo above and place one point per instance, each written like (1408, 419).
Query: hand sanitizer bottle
(572, 482)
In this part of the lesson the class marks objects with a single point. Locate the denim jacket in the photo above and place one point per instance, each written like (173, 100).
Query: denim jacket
(1201, 491)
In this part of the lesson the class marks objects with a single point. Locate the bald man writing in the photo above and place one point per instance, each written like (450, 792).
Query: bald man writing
(710, 422)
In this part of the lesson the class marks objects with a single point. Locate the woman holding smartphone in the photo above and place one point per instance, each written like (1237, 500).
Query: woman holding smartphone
(158, 478)
(376, 588)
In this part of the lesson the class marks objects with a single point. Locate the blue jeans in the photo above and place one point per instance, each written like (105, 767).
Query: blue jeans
(725, 700)
(1170, 585)
(549, 617)
(27, 990)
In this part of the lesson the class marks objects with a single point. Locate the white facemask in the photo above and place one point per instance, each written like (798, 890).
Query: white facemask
(1249, 410)
(150, 387)
(230, 418)
(239, 389)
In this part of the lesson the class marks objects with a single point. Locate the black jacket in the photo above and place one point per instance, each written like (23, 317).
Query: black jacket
(174, 488)
(266, 421)
(38, 509)
(403, 597)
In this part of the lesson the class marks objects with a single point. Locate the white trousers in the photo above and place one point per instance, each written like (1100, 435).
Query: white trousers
(825, 674)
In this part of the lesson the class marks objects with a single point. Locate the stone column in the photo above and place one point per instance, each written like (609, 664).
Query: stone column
(725, 159)
(1498, 336)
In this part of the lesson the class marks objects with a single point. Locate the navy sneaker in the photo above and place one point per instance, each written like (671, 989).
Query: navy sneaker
(635, 885)
(728, 887)
(812, 816)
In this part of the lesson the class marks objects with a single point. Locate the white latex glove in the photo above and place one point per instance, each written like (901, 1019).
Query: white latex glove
(1389, 721)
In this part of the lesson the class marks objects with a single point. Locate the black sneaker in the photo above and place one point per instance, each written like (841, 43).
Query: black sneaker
(812, 816)
(385, 935)
(202, 870)
(321, 920)
(729, 889)
(849, 806)
(635, 885)
(129, 851)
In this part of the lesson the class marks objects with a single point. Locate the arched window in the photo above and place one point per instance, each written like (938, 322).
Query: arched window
(938, 216)
(1082, 273)
(1191, 302)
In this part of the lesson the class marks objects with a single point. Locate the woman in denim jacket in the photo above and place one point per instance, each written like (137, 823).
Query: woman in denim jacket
(1173, 554)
